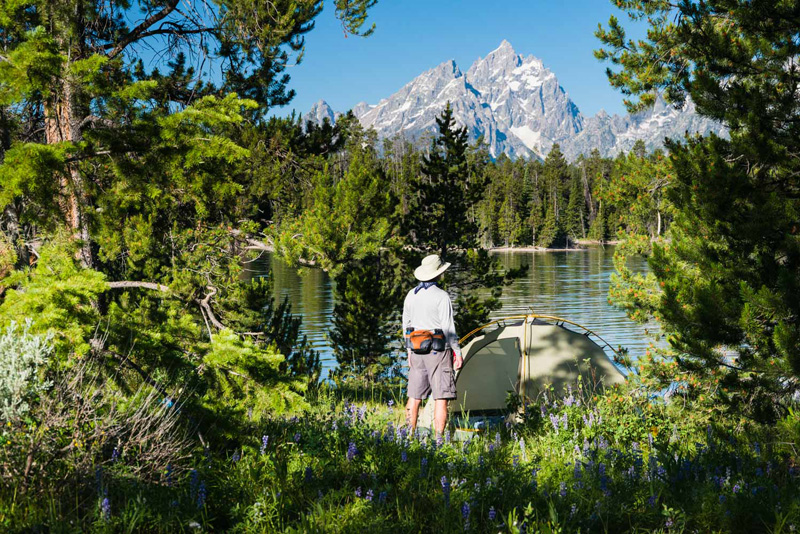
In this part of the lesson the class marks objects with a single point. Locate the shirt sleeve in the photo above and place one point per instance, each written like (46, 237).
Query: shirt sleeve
(448, 326)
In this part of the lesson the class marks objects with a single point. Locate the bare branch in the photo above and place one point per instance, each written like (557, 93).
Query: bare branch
(141, 29)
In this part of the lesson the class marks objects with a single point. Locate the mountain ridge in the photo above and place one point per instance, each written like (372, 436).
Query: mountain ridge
(519, 108)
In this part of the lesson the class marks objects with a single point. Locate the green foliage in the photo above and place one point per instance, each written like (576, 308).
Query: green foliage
(727, 272)
(347, 219)
(368, 302)
(60, 296)
(243, 377)
(572, 461)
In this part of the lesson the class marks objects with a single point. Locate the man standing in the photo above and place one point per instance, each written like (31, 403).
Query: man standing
(427, 307)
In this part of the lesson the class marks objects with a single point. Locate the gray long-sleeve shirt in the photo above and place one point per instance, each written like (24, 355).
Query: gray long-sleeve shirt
(430, 309)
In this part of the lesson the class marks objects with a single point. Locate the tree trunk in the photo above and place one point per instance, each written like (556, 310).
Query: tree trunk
(587, 195)
(658, 230)
(63, 119)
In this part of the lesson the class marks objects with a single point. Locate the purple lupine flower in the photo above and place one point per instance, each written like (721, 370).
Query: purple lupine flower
(573, 510)
(447, 436)
(497, 439)
(105, 509)
(446, 490)
(465, 514)
(492, 513)
(194, 482)
(564, 421)
(115, 455)
(554, 422)
(369, 496)
(236, 457)
(352, 451)
(382, 497)
(439, 441)
(563, 489)
(297, 437)
(577, 471)
(651, 501)
(358, 492)
(201, 494)
(737, 488)
(391, 403)
(403, 456)
(669, 523)
(515, 460)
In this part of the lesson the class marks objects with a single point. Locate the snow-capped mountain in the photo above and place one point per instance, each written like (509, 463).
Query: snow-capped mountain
(519, 108)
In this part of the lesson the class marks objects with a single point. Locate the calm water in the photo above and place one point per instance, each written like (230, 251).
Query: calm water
(572, 285)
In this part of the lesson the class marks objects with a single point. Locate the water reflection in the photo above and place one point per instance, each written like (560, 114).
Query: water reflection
(572, 285)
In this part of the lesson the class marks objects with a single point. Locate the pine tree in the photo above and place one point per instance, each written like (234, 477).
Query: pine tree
(728, 278)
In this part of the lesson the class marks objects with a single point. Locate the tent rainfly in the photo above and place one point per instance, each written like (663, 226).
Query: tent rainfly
(525, 354)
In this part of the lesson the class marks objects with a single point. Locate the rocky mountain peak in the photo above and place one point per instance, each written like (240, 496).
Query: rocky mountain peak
(518, 106)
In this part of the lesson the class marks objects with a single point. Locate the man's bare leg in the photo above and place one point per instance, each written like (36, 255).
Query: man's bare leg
(440, 416)
(412, 412)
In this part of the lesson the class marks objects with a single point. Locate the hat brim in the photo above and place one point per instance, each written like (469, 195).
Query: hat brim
(423, 274)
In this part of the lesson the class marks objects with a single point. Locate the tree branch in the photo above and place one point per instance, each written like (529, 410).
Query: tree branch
(139, 31)
(144, 285)
(207, 307)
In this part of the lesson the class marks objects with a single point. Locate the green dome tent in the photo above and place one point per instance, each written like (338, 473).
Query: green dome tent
(524, 354)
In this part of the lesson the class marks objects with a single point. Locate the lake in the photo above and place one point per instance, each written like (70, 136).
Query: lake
(571, 284)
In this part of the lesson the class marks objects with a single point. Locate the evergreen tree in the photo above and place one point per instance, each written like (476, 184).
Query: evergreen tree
(368, 303)
(728, 278)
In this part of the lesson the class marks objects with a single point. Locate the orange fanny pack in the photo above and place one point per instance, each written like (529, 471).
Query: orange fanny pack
(425, 341)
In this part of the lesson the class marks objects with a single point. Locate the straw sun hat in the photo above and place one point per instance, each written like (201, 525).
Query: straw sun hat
(431, 267)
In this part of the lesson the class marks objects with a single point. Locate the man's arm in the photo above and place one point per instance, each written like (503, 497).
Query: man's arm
(449, 329)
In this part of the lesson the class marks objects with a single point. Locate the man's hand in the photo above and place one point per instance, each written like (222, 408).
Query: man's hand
(458, 361)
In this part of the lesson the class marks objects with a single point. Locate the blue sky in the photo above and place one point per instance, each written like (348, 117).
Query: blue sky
(415, 35)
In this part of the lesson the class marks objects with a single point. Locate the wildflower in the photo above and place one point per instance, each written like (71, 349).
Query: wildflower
(563, 489)
(737, 488)
(264, 441)
(573, 510)
(446, 490)
(515, 460)
(358, 492)
(391, 403)
(169, 475)
(577, 471)
(115, 455)
(423, 465)
(669, 523)
(369, 496)
(297, 437)
(382, 497)
(497, 439)
(105, 509)
(403, 456)
(236, 457)
(652, 501)
(465, 514)
(194, 482)
(447, 436)
(492, 513)
(439, 441)
(201, 494)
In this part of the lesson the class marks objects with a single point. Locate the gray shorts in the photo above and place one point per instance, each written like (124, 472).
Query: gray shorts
(431, 373)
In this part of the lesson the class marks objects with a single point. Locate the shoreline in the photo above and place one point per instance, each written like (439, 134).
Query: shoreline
(580, 242)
